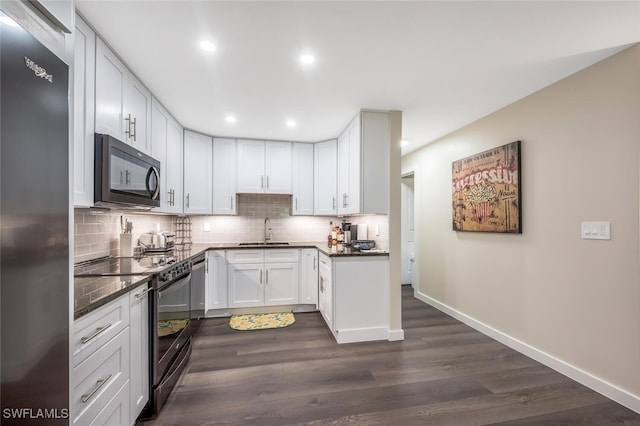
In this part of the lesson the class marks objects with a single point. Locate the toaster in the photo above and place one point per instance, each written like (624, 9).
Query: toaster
(157, 241)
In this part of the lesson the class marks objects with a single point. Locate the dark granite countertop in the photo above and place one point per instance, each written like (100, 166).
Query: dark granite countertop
(92, 292)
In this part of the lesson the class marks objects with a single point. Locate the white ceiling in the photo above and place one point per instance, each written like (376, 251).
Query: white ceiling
(444, 64)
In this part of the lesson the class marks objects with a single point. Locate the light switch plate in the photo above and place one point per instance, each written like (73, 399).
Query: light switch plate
(596, 230)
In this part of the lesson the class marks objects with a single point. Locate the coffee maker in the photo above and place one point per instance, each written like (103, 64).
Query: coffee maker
(347, 230)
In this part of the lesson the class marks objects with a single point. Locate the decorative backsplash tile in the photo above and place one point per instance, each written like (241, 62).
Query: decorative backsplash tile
(97, 235)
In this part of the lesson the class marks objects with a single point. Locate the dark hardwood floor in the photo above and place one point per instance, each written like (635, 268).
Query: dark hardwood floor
(443, 373)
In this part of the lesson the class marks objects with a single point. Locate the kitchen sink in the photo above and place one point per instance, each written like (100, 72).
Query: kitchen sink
(268, 243)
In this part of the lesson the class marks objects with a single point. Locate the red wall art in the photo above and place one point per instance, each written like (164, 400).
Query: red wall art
(486, 191)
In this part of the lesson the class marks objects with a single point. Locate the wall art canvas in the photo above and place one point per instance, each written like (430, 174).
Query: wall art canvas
(486, 191)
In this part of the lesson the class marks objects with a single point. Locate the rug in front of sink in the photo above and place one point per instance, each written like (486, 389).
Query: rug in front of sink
(261, 321)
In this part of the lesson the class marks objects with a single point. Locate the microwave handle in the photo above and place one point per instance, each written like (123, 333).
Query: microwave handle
(155, 192)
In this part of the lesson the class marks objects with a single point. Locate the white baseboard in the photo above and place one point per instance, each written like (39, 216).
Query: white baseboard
(395, 335)
(353, 335)
(599, 385)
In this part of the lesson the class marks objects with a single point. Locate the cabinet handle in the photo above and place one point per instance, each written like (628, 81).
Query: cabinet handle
(173, 197)
(187, 200)
(321, 284)
(142, 293)
(87, 396)
(127, 177)
(346, 197)
(134, 129)
(314, 263)
(334, 203)
(95, 334)
(323, 262)
(128, 131)
(231, 199)
(120, 177)
(206, 267)
(170, 202)
(267, 274)
(344, 200)
(296, 204)
(262, 181)
(260, 276)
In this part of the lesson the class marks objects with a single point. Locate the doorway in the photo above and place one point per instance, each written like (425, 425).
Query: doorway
(408, 232)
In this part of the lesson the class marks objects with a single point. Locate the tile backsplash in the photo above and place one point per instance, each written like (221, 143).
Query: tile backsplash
(97, 235)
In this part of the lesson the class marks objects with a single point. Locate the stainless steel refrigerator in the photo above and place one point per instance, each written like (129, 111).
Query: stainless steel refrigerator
(34, 207)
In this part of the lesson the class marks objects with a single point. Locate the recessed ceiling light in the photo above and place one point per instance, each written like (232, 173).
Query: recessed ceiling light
(404, 142)
(8, 21)
(307, 59)
(230, 119)
(207, 46)
(290, 123)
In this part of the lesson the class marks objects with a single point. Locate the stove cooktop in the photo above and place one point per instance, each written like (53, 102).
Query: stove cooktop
(115, 266)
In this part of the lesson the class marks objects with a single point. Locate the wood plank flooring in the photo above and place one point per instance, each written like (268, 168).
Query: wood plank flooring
(443, 373)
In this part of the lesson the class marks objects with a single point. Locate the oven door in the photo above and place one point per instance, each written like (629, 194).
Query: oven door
(173, 316)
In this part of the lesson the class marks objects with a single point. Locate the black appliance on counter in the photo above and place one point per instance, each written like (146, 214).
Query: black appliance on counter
(169, 315)
(123, 176)
(34, 213)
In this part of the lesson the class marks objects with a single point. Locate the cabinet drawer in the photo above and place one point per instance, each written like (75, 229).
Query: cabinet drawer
(97, 379)
(245, 256)
(93, 330)
(281, 255)
(117, 410)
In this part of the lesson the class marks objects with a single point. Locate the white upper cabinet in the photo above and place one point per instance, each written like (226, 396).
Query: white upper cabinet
(123, 104)
(349, 164)
(83, 110)
(264, 167)
(278, 167)
(324, 178)
(363, 165)
(302, 180)
(197, 173)
(224, 176)
(166, 137)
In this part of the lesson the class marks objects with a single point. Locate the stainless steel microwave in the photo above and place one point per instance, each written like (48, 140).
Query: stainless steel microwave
(124, 177)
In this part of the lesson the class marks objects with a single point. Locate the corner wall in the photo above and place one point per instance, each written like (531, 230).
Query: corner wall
(571, 303)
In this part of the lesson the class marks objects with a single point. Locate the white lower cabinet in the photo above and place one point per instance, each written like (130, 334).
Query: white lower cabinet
(262, 277)
(216, 280)
(139, 337)
(97, 379)
(308, 283)
(353, 297)
(325, 290)
(110, 358)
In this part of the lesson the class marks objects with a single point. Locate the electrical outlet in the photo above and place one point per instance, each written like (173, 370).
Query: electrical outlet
(207, 227)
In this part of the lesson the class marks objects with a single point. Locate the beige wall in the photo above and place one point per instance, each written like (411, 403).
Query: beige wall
(572, 299)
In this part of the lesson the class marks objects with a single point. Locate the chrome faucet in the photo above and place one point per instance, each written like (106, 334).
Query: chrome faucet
(267, 229)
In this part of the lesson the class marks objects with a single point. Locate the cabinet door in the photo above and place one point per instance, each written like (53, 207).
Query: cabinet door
(111, 75)
(308, 285)
(159, 124)
(197, 173)
(324, 178)
(173, 169)
(139, 337)
(83, 113)
(325, 290)
(224, 176)
(245, 284)
(216, 280)
(137, 109)
(352, 200)
(281, 284)
(302, 184)
(278, 167)
(250, 170)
